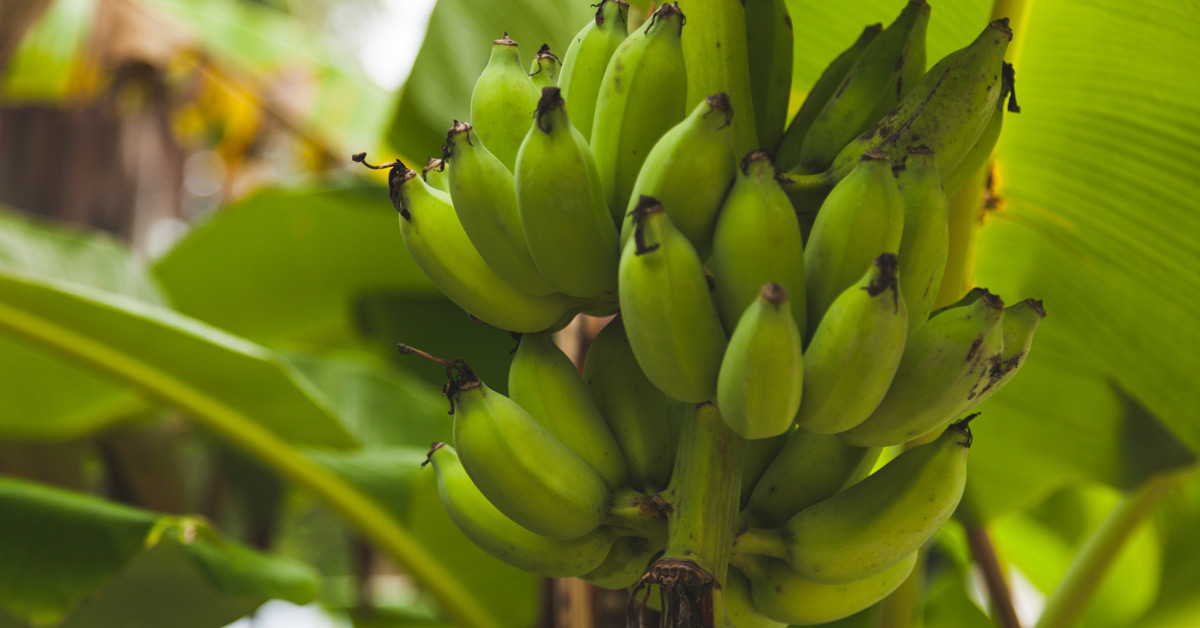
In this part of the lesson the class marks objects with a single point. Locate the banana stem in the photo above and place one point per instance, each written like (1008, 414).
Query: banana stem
(1068, 601)
(984, 554)
(762, 542)
(641, 514)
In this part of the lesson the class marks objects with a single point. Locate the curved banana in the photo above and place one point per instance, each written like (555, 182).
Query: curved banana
(544, 69)
(769, 40)
(981, 151)
(786, 596)
(946, 363)
(862, 217)
(757, 456)
(543, 381)
(524, 471)
(636, 411)
(502, 102)
(853, 356)
(441, 248)
(758, 388)
(669, 315)
(808, 469)
(434, 174)
(876, 523)
(486, 203)
(716, 57)
(642, 95)
(1020, 323)
(787, 150)
(946, 110)
(586, 59)
(740, 611)
(567, 226)
(501, 537)
(887, 69)
(628, 559)
(757, 240)
(925, 245)
(689, 171)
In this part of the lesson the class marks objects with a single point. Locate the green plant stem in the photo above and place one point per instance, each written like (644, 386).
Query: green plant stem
(242, 431)
(984, 554)
(704, 491)
(762, 542)
(1068, 601)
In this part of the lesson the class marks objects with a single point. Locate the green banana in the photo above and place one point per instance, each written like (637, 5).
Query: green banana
(862, 217)
(740, 611)
(689, 171)
(486, 203)
(758, 388)
(635, 410)
(981, 151)
(854, 353)
(946, 110)
(502, 101)
(759, 454)
(628, 559)
(669, 315)
(716, 58)
(946, 362)
(642, 95)
(434, 174)
(786, 596)
(544, 69)
(440, 247)
(787, 150)
(876, 523)
(501, 537)
(757, 240)
(769, 39)
(567, 226)
(808, 469)
(543, 381)
(1020, 323)
(586, 59)
(926, 241)
(889, 67)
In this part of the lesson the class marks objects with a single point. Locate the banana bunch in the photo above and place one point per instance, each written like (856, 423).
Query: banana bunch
(790, 289)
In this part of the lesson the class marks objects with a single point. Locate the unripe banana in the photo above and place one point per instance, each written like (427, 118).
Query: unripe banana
(889, 67)
(544, 69)
(524, 471)
(981, 151)
(808, 469)
(502, 101)
(757, 456)
(757, 240)
(543, 381)
(946, 363)
(441, 248)
(636, 411)
(769, 43)
(567, 226)
(642, 95)
(854, 353)
(501, 537)
(486, 203)
(787, 151)
(876, 523)
(628, 559)
(434, 174)
(1020, 323)
(716, 57)
(586, 59)
(862, 217)
(947, 109)
(740, 611)
(689, 171)
(758, 388)
(786, 596)
(669, 315)
(926, 241)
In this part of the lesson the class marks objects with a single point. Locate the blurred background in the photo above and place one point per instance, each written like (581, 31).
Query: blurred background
(200, 297)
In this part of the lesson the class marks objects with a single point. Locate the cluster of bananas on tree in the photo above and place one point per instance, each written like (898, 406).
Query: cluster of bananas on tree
(791, 290)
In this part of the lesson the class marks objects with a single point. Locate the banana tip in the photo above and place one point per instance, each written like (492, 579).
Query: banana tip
(774, 293)
(429, 456)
